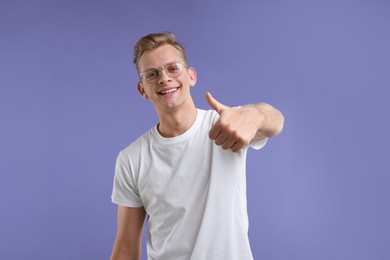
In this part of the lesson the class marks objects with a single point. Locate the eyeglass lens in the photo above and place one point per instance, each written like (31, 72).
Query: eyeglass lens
(173, 70)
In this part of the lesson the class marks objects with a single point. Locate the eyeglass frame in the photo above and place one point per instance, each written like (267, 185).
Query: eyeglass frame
(164, 67)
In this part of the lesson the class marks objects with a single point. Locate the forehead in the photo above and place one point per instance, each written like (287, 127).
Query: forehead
(159, 56)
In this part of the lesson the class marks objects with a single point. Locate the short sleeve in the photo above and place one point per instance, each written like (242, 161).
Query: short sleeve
(258, 144)
(125, 191)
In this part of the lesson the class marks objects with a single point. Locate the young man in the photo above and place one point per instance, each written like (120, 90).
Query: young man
(188, 172)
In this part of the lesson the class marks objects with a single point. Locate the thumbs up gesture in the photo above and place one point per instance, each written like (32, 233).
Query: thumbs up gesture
(236, 127)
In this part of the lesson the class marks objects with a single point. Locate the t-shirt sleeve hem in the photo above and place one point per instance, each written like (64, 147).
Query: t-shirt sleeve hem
(258, 144)
(126, 203)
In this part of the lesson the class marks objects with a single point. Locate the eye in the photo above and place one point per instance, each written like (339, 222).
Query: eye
(174, 68)
(151, 74)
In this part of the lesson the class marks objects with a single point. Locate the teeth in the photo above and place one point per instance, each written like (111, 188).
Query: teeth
(168, 91)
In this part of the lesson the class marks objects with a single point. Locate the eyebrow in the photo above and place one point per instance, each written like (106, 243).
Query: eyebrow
(156, 68)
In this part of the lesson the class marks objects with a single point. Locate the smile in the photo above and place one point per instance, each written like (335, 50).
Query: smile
(168, 91)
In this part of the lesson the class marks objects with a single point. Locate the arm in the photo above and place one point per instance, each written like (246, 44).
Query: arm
(237, 127)
(129, 234)
(270, 121)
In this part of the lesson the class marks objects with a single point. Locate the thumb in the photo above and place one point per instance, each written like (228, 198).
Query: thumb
(214, 103)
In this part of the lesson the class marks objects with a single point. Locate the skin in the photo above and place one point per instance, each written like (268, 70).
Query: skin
(129, 234)
(176, 111)
(235, 128)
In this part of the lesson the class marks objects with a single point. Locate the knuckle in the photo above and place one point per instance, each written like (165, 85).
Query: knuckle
(236, 135)
(223, 124)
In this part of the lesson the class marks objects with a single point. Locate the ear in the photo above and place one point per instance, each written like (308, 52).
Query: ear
(192, 73)
(141, 90)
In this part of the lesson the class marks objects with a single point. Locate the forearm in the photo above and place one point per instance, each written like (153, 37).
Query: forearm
(123, 254)
(271, 120)
(127, 244)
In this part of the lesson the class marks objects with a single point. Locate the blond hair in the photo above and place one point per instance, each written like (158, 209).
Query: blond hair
(153, 41)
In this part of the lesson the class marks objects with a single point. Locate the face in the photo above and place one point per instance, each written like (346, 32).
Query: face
(168, 93)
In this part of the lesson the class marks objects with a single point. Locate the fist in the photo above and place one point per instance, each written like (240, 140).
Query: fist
(236, 127)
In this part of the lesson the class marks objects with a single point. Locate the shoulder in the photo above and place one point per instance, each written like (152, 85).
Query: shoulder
(134, 149)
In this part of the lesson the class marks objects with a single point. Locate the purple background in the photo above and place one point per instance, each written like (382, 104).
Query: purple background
(319, 191)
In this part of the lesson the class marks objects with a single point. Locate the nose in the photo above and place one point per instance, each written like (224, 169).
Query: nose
(164, 77)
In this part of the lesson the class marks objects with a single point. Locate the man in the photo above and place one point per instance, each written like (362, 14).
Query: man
(188, 172)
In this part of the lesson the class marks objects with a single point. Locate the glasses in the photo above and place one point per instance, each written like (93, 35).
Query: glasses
(173, 70)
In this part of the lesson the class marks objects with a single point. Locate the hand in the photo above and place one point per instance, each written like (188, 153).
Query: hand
(236, 127)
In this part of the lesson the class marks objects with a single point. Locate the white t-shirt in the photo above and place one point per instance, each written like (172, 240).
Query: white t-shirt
(193, 191)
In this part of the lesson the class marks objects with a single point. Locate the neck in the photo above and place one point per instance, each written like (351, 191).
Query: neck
(174, 123)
